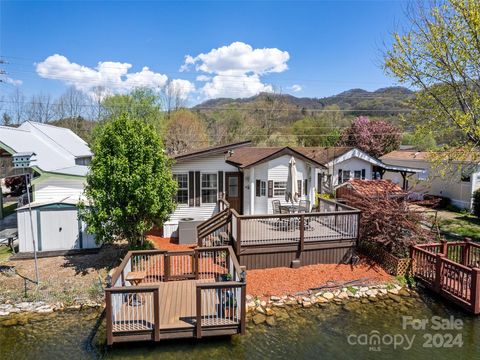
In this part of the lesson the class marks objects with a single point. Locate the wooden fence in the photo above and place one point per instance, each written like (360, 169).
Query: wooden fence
(451, 269)
(158, 294)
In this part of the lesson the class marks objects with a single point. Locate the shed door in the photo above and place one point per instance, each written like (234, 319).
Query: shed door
(59, 230)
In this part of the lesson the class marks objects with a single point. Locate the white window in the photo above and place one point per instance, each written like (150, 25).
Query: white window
(357, 174)
(263, 188)
(182, 188)
(279, 188)
(209, 188)
(466, 174)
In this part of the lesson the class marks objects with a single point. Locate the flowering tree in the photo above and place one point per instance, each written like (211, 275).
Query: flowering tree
(389, 222)
(374, 137)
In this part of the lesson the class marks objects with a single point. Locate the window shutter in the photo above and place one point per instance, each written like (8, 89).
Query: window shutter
(320, 183)
(257, 187)
(191, 188)
(299, 186)
(270, 188)
(363, 174)
(197, 188)
(340, 176)
(220, 184)
(305, 187)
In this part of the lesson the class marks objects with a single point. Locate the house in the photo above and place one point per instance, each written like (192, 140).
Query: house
(251, 177)
(456, 180)
(57, 161)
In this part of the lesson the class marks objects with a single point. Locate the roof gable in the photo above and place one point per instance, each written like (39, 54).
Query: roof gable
(248, 157)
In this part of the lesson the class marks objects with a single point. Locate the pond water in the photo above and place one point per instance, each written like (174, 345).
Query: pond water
(330, 332)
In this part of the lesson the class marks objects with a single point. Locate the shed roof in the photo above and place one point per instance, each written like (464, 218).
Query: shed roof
(372, 188)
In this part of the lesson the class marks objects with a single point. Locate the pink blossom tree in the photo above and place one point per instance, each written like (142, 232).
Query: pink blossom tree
(374, 137)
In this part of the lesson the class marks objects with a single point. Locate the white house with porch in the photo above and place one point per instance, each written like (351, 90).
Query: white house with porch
(251, 178)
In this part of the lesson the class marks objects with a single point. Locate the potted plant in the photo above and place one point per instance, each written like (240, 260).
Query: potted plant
(226, 277)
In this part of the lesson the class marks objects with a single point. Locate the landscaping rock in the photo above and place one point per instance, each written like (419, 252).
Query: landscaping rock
(271, 321)
(343, 295)
(259, 319)
(395, 298)
(260, 310)
(275, 298)
(328, 295)
(269, 312)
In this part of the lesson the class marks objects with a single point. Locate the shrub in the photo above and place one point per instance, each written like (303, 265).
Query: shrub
(476, 203)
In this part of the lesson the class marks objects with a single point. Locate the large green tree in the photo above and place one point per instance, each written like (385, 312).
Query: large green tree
(130, 185)
(439, 55)
(185, 131)
(142, 104)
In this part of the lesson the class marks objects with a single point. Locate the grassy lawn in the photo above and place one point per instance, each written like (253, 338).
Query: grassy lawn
(9, 208)
(462, 224)
(5, 253)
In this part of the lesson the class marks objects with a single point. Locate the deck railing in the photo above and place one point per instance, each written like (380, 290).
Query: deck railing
(450, 269)
(133, 309)
(333, 221)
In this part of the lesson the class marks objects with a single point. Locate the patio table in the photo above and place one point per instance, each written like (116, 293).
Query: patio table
(135, 277)
(292, 209)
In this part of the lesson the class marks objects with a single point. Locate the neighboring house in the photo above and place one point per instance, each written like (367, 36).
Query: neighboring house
(58, 161)
(456, 180)
(251, 177)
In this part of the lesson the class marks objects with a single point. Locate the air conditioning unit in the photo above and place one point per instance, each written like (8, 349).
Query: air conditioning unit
(187, 230)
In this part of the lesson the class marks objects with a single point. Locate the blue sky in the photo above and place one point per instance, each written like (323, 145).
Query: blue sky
(313, 48)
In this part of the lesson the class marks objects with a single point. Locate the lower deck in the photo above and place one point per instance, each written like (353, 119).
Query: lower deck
(176, 294)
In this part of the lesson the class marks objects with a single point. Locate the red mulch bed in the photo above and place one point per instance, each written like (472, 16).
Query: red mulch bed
(283, 281)
(162, 243)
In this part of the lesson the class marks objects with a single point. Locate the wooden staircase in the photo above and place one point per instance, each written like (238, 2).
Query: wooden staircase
(216, 230)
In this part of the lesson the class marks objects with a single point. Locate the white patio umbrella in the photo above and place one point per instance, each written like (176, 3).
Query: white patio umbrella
(291, 193)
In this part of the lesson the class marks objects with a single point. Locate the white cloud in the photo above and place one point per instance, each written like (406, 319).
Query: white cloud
(181, 87)
(296, 88)
(11, 81)
(113, 76)
(236, 69)
(203, 78)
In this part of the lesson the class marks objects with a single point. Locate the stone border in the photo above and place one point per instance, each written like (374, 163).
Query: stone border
(263, 311)
(41, 307)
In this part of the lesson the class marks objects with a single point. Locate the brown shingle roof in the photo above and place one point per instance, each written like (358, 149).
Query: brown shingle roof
(323, 155)
(247, 156)
(211, 150)
(406, 155)
(372, 188)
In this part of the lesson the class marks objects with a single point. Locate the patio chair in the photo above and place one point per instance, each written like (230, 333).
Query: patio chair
(304, 206)
(276, 206)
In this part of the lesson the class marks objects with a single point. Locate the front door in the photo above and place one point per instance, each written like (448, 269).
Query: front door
(234, 193)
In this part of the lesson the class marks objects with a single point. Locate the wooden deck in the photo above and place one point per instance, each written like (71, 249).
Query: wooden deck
(451, 270)
(166, 295)
(274, 231)
(177, 307)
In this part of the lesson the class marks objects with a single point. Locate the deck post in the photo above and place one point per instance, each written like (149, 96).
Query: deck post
(444, 247)
(156, 315)
(302, 233)
(166, 264)
(466, 252)
(238, 243)
(475, 291)
(196, 264)
(198, 326)
(243, 309)
(438, 272)
(108, 310)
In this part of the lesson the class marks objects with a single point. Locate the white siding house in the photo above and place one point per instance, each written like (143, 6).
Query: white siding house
(457, 180)
(58, 163)
(250, 178)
